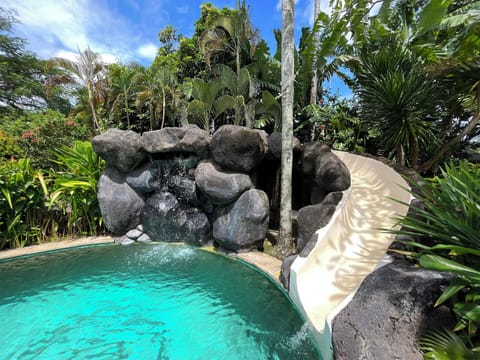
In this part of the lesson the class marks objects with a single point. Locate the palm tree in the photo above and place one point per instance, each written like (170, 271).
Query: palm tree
(242, 89)
(155, 85)
(283, 247)
(87, 71)
(205, 105)
(120, 82)
(231, 34)
(396, 99)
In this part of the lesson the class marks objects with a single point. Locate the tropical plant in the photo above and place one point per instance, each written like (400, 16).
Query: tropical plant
(443, 235)
(86, 71)
(155, 85)
(231, 33)
(445, 345)
(33, 133)
(204, 108)
(395, 96)
(241, 98)
(75, 188)
(24, 217)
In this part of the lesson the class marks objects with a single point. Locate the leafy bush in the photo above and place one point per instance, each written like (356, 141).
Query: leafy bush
(75, 188)
(35, 206)
(445, 236)
(32, 135)
(24, 217)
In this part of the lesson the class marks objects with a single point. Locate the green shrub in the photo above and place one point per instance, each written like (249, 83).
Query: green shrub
(24, 217)
(33, 135)
(445, 235)
(75, 188)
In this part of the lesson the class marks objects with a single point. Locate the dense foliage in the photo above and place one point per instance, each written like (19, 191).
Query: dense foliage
(443, 234)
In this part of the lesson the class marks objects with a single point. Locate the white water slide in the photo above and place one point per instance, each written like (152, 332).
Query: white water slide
(350, 247)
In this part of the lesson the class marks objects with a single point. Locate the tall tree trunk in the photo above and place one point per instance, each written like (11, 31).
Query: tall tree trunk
(284, 245)
(92, 108)
(125, 94)
(163, 109)
(314, 81)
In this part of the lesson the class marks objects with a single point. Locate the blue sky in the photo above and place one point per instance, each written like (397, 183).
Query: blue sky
(127, 30)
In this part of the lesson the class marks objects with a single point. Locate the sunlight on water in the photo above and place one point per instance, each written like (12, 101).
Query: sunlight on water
(157, 301)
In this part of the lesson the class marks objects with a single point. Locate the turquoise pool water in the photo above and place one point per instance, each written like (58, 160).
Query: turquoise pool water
(158, 301)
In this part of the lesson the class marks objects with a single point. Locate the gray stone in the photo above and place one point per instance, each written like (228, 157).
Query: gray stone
(237, 148)
(310, 152)
(165, 220)
(275, 144)
(193, 226)
(127, 241)
(285, 271)
(309, 220)
(120, 205)
(144, 178)
(389, 313)
(331, 173)
(134, 234)
(220, 187)
(195, 140)
(244, 224)
(139, 227)
(144, 238)
(163, 140)
(120, 148)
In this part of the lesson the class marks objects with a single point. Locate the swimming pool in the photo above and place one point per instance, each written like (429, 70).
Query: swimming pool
(158, 301)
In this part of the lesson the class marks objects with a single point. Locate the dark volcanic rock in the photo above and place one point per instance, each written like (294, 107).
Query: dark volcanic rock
(237, 148)
(120, 148)
(310, 152)
(220, 187)
(275, 144)
(313, 217)
(331, 174)
(189, 138)
(144, 178)
(244, 224)
(120, 205)
(389, 313)
(285, 271)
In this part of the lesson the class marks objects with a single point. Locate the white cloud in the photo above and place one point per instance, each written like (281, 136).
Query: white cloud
(182, 9)
(147, 51)
(54, 27)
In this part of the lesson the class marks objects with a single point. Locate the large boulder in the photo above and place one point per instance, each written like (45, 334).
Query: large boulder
(220, 187)
(244, 224)
(310, 152)
(389, 313)
(285, 270)
(163, 140)
(237, 148)
(173, 139)
(195, 140)
(122, 149)
(120, 205)
(331, 174)
(145, 178)
(275, 144)
(165, 219)
(313, 217)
